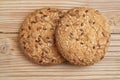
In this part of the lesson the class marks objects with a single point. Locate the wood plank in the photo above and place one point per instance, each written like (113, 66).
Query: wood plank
(23, 8)
(64, 78)
(11, 40)
(18, 63)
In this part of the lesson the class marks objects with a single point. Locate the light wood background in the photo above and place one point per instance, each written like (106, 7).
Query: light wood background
(13, 64)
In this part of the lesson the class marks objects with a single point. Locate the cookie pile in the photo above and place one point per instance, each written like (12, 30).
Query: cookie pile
(52, 36)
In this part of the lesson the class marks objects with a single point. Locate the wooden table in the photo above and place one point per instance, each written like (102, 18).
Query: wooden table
(13, 64)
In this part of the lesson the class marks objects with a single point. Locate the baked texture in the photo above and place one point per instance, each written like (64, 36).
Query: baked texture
(37, 36)
(83, 36)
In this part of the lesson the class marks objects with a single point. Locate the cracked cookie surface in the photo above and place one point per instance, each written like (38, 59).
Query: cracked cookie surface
(37, 36)
(83, 36)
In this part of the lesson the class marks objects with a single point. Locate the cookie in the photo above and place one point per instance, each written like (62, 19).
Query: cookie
(37, 36)
(82, 36)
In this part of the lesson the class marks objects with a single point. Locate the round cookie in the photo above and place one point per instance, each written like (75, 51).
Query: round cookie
(37, 36)
(83, 36)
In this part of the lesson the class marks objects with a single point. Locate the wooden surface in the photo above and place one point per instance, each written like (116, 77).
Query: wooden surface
(13, 64)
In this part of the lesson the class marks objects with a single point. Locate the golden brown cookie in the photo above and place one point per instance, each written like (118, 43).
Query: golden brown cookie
(83, 36)
(37, 36)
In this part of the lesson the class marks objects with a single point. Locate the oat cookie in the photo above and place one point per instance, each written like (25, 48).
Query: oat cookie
(83, 36)
(37, 36)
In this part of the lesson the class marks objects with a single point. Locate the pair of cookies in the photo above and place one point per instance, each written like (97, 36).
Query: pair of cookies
(50, 35)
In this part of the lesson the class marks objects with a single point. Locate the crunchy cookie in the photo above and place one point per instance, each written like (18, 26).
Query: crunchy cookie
(37, 36)
(83, 36)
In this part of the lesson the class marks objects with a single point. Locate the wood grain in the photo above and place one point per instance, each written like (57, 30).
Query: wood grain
(13, 64)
